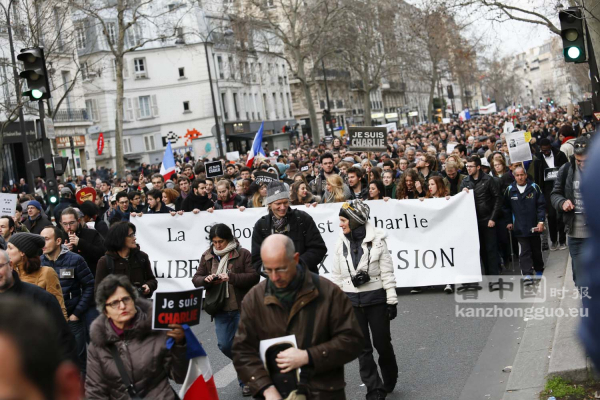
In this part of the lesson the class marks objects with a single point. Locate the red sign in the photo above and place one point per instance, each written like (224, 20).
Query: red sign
(100, 143)
(85, 194)
(597, 116)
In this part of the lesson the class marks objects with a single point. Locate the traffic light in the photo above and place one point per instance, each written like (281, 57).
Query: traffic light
(51, 187)
(327, 116)
(60, 165)
(34, 71)
(573, 35)
(37, 167)
(450, 92)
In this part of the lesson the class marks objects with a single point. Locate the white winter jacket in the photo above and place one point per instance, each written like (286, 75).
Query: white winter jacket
(381, 269)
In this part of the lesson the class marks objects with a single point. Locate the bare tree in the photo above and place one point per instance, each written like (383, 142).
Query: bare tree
(127, 25)
(501, 83)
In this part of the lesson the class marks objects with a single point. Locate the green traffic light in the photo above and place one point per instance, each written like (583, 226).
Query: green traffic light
(573, 52)
(37, 94)
(53, 199)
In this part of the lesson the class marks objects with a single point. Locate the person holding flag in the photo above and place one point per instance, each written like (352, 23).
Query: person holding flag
(256, 147)
(167, 168)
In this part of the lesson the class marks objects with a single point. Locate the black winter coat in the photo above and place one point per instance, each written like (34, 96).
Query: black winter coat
(488, 199)
(563, 191)
(303, 232)
(90, 247)
(60, 207)
(38, 225)
(78, 290)
(136, 267)
(526, 209)
(39, 296)
(238, 201)
(540, 166)
(163, 209)
(193, 201)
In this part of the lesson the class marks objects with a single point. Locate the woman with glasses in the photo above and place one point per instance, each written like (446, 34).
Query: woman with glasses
(124, 257)
(123, 334)
(226, 267)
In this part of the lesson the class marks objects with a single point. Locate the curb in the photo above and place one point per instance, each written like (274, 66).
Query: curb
(528, 376)
(568, 359)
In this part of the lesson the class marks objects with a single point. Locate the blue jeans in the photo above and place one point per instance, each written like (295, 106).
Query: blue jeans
(78, 330)
(576, 251)
(226, 324)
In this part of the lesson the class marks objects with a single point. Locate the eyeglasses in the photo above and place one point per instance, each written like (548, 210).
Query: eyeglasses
(2, 265)
(115, 304)
(580, 145)
(72, 223)
(275, 271)
(124, 202)
(131, 235)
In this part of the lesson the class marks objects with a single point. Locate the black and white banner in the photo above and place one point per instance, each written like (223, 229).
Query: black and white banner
(432, 242)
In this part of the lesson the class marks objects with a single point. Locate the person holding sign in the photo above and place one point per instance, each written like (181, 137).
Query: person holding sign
(546, 167)
(126, 358)
(227, 274)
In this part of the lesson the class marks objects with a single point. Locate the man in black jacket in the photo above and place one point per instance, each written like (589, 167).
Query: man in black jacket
(546, 169)
(296, 224)
(10, 284)
(488, 203)
(155, 203)
(66, 200)
(197, 200)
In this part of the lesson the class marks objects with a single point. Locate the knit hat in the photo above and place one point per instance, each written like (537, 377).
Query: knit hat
(276, 191)
(356, 211)
(28, 243)
(65, 190)
(36, 204)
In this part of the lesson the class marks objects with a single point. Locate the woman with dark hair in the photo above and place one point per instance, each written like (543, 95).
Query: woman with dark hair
(24, 250)
(376, 190)
(124, 257)
(410, 185)
(375, 174)
(300, 195)
(123, 333)
(226, 266)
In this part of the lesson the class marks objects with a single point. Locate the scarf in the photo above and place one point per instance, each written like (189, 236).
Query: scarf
(280, 225)
(287, 295)
(224, 254)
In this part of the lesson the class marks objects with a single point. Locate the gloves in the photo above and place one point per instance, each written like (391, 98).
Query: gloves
(392, 311)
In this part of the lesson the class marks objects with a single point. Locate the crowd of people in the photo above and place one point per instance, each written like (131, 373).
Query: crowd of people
(79, 260)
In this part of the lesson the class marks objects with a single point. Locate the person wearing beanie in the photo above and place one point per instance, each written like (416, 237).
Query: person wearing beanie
(35, 221)
(363, 269)
(24, 250)
(296, 224)
(568, 140)
(67, 199)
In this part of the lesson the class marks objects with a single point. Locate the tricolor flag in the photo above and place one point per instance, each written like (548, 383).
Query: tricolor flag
(464, 115)
(199, 382)
(167, 167)
(256, 146)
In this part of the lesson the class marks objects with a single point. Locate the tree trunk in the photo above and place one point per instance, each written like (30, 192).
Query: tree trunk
(314, 122)
(433, 84)
(120, 89)
(366, 95)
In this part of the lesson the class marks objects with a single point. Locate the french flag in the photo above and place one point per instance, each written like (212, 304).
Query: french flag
(199, 382)
(168, 163)
(256, 146)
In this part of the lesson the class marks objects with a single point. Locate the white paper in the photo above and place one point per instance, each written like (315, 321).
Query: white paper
(265, 344)
(508, 127)
(450, 147)
(233, 156)
(8, 203)
(518, 148)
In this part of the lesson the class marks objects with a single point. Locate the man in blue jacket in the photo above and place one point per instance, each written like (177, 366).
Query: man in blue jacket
(524, 201)
(77, 284)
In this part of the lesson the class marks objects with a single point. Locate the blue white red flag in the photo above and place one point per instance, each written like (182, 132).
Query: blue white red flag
(199, 382)
(256, 146)
(167, 167)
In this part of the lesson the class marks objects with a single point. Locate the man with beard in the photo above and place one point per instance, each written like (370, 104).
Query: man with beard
(296, 224)
(36, 221)
(7, 227)
(155, 203)
(318, 185)
(197, 200)
(358, 188)
(226, 200)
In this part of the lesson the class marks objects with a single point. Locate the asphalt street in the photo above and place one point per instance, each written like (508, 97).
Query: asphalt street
(440, 355)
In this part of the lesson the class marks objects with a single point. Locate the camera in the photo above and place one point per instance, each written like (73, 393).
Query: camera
(360, 278)
(140, 291)
(216, 277)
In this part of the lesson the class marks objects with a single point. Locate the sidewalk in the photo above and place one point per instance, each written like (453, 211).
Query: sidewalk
(550, 346)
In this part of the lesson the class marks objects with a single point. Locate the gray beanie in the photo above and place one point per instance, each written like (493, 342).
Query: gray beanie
(276, 191)
(28, 243)
(356, 211)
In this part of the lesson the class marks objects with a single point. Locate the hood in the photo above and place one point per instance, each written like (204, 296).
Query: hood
(372, 233)
(102, 334)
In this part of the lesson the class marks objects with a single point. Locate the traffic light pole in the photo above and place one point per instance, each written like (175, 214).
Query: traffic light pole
(327, 97)
(51, 184)
(594, 76)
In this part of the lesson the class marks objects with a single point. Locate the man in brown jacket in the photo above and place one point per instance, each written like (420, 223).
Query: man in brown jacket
(283, 305)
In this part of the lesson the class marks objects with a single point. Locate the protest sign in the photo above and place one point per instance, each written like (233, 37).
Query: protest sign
(181, 307)
(528, 137)
(85, 194)
(489, 109)
(390, 127)
(367, 138)
(445, 120)
(261, 177)
(550, 174)
(8, 203)
(508, 127)
(233, 156)
(214, 169)
(419, 237)
(450, 147)
(518, 148)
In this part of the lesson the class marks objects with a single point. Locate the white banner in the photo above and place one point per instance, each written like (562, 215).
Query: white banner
(489, 109)
(432, 242)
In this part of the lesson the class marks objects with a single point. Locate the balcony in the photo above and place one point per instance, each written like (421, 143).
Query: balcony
(356, 85)
(71, 115)
(394, 87)
(332, 74)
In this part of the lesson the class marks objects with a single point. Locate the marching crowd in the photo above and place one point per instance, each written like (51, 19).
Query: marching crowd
(79, 260)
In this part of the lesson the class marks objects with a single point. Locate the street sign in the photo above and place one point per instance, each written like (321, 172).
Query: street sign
(367, 138)
(100, 143)
(49, 125)
(94, 129)
(214, 169)
(597, 116)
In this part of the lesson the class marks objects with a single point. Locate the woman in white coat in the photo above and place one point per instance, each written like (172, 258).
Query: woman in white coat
(363, 269)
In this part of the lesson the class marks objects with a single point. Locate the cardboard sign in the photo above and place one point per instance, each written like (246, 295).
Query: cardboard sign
(368, 138)
(233, 156)
(177, 308)
(8, 203)
(528, 137)
(305, 168)
(550, 174)
(85, 194)
(275, 153)
(450, 147)
(214, 169)
(261, 177)
(518, 148)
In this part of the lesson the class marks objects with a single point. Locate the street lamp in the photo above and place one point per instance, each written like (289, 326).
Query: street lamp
(29, 178)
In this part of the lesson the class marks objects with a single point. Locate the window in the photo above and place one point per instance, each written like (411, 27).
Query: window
(247, 106)
(127, 109)
(182, 72)
(134, 35)
(265, 106)
(256, 107)
(275, 105)
(180, 35)
(231, 68)
(270, 3)
(147, 107)
(140, 68)
(91, 107)
(252, 73)
(220, 66)
(270, 72)
(260, 71)
(235, 106)
(127, 145)
(111, 32)
(186, 106)
(282, 104)
(224, 103)
(80, 36)
(85, 73)
(289, 99)
(149, 142)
